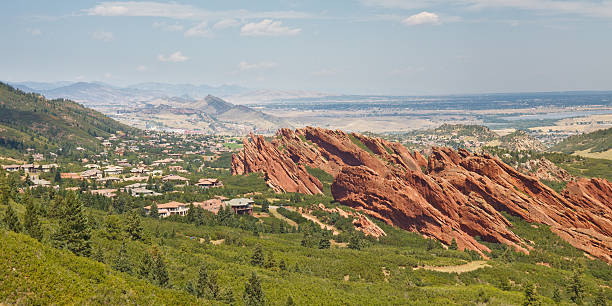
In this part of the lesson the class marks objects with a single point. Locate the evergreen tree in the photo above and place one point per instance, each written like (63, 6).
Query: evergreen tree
(576, 288)
(31, 222)
(530, 298)
(282, 266)
(258, 257)
(133, 227)
(296, 268)
(159, 272)
(55, 209)
(112, 227)
(253, 294)
(453, 245)
(600, 298)
(98, 255)
(74, 232)
(154, 212)
(58, 177)
(355, 242)
(190, 214)
(270, 262)
(207, 285)
(290, 301)
(122, 262)
(11, 220)
(146, 267)
(556, 295)
(324, 243)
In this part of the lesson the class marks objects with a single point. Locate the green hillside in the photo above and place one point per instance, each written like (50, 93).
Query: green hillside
(31, 121)
(596, 142)
(33, 273)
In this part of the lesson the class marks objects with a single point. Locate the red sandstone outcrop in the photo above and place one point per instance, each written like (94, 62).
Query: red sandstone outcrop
(281, 173)
(459, 197)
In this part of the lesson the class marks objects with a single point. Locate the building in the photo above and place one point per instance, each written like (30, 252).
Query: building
(175, 178)
(47, 168)
(212, 205)
(169, 209)
(11, 168)
(91, 174)
(109, 193)
(209, 183)
(113, 170)
(70, 175)
(40, 182)
(241, 206)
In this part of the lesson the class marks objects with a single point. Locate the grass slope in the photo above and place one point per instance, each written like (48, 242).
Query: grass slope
(598, 141)
(33, 273)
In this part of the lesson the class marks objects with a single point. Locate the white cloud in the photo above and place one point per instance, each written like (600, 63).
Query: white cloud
(102, 35)
(167, 27)
(181, 11)
(325, 72)
(592, 8)
(108, 75)
(174, 57)
(227, 23)
(35, 32)
(267, 27)
(200, 30)
(141, 68)
(422, 18)
(244, 66)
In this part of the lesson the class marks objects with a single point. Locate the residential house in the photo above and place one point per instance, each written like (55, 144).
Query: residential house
(113, 170)
(40, 182)
(212, 205)
(109, 193)
(170, 208)
(11, 168)
(91, 174)
(209, 183)
(49, 167)
(70, 175)
(241, 206)
(175, 178)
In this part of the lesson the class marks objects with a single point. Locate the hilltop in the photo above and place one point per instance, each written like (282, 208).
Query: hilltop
(597, 144)
(31, 121)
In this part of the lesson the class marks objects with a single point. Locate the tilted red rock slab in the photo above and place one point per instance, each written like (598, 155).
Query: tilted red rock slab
(459, 197)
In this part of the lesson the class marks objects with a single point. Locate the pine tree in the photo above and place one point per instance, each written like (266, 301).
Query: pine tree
(453, 245)
(207, 285)
(253, 294)
(290, 301)
(133, 227)
(556, 295)
(576, 288)
(324, 243)
(282, 266)
(31, 222)
(530, 299)
(11, 220)
(600, 298)
(355, 242)
(146, 267)
(258, 257)
(58, 176)
(122, 262)
(74, 232)
(112, 227)
(159, 272)
(154, 212)
(270, 262)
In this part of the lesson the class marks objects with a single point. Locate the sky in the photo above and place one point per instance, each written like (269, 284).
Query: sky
(395, 47)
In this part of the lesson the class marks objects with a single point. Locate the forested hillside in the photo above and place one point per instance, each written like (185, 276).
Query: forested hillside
(31, 121)
(595, 142)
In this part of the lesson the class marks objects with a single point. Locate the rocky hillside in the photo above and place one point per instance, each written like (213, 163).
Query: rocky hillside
(520, 141)
(451, 196)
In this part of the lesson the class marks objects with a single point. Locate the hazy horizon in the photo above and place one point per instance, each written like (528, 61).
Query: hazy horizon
(382, 47)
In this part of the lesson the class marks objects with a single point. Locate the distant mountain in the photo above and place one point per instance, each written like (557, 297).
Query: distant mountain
(99, 93)
(264, 96)
(189, 90)
(31, 121)
(595, 144)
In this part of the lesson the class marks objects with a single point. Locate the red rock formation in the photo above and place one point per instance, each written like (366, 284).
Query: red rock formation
(282, 174)
(458, 198)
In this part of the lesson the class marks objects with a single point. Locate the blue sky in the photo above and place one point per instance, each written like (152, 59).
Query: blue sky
(339, 46)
